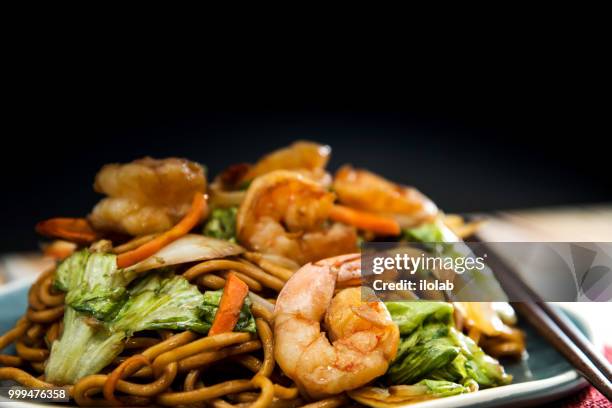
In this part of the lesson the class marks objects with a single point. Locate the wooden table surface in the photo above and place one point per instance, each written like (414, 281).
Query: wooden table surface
(564, 224)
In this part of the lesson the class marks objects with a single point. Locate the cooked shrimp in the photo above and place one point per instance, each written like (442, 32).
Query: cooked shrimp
(307, 158)
(146, 195)
(363, 339)
(367, 191)
(285, 213)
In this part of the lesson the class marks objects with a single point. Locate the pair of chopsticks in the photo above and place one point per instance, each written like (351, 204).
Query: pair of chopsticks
(554, 326)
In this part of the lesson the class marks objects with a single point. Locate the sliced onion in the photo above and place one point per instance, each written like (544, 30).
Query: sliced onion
(223, 198)
(190, 248)
(281, 261)
(256, 299)
(392, 397)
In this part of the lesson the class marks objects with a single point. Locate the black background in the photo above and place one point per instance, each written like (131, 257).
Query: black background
(472, 143)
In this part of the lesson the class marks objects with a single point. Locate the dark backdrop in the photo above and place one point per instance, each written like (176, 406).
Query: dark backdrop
(501, 145)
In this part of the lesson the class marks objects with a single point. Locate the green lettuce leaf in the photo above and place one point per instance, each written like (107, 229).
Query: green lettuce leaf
(93, 283)
(222, 224)
(432, 349)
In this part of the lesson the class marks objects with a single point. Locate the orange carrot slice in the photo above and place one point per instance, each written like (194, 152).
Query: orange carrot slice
(190, 220)
(234, 292)
(71, 229)
(378, 224)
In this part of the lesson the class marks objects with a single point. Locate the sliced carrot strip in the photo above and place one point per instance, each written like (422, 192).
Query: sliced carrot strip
(190, 220)
(71, 229)
(378, 224)
(234, 293)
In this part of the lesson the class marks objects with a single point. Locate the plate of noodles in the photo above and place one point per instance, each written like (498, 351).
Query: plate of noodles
(245, 290)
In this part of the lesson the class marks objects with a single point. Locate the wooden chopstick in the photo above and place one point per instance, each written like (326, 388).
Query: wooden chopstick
(570, 329)
(536, 316)
(557, 330)
(561, 320)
